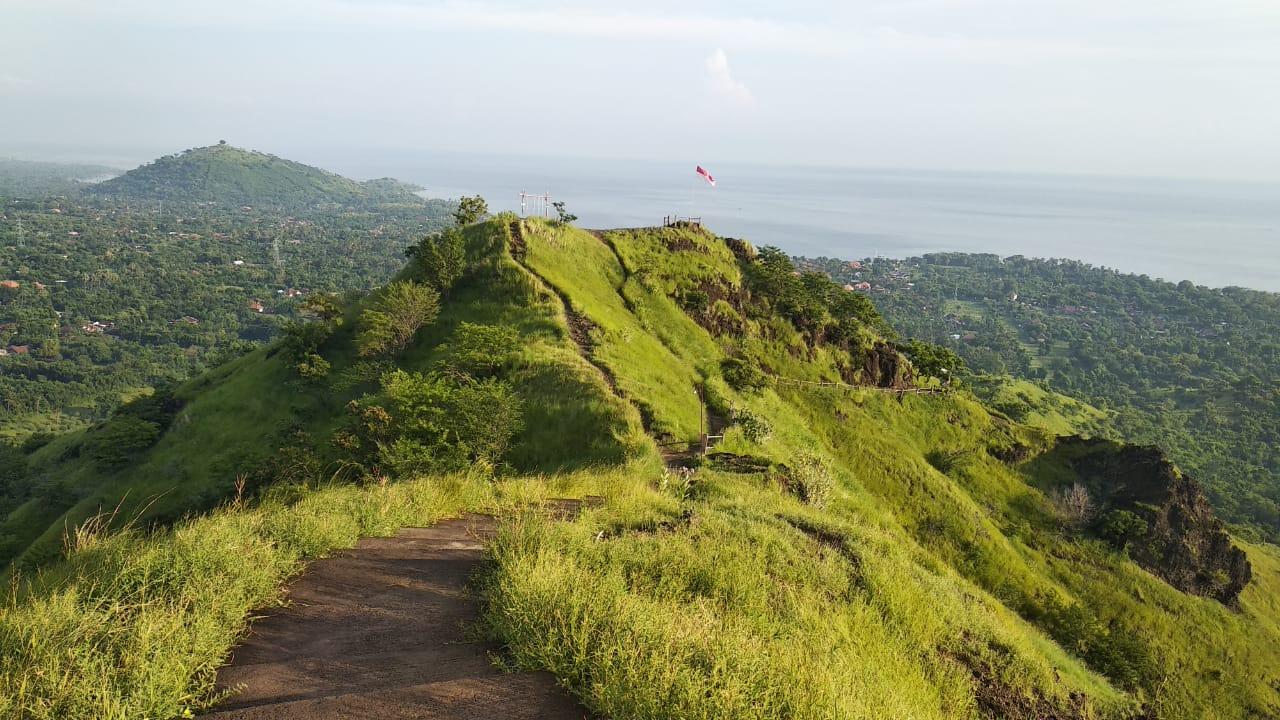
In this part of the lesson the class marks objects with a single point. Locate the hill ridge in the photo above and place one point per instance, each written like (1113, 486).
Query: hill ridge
(858, 553)
(237, 176)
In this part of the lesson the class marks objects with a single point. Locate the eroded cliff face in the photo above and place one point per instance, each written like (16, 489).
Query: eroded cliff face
(1185, 544)
(883, 366)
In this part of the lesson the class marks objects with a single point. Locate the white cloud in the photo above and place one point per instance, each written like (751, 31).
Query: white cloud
(722, 81)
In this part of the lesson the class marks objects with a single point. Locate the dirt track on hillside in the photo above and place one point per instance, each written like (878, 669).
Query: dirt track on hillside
(382, 631)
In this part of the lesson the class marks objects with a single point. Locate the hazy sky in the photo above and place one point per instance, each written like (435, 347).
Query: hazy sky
(1139, 87)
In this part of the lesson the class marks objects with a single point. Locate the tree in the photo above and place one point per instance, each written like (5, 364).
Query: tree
(441, 259)
(933, 360)
(1075, 504)
(400, 310)
(470, 210)
(562, 215)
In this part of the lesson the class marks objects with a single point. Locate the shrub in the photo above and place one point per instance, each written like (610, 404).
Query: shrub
(811, 480)
(120, 438)
(313, 367)
(755, 428)
(481, 350)
(1121, 527)
(438, 423)
(1112, 651)
(441, 259)
(326, 306)
(1074, 504)
(945, 461)
(302, 341)
(401, 309)
(743, 375)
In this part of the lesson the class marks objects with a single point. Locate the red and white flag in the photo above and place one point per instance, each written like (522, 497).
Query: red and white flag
(706, 175)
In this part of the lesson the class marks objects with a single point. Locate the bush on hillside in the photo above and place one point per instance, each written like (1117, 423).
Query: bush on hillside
(1111, 650)
(814, 304)
(301, 341)
(743, 375)
(326, 306)
(481, 350)
(120, 438)
(755, 428)
(401, 309)
(313, 367)
(811, 480)
(440, 259)
(933, 360)
(433, 423)
(1121, 527)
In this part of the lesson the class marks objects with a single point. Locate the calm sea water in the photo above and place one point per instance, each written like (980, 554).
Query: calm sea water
(1213, 233)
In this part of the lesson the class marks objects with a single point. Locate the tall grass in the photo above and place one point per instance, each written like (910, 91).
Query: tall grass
(735, 611)
(134, 625)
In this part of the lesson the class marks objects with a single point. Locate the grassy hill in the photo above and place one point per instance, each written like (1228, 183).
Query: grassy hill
(861, 542)
(1191, 368)
(233, 176)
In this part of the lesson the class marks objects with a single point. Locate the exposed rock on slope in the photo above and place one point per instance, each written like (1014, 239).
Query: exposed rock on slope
(883, 366)
(1185, 543)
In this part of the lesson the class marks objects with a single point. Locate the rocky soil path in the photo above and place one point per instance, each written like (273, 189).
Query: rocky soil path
(383, 631)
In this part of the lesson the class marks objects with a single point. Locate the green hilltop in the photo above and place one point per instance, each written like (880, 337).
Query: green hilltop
(862, 540)
(233, 176)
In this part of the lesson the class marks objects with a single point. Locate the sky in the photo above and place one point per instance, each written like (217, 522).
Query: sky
(1165, 88)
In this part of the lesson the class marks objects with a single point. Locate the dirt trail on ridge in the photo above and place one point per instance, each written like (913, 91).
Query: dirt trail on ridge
(381, 631)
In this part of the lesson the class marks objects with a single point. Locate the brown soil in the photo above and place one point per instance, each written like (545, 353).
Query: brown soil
(381, 631)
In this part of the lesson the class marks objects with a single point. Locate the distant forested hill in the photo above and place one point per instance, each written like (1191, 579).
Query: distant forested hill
(22, 178)
(1193, 369)
(105, 295)
(233, 176)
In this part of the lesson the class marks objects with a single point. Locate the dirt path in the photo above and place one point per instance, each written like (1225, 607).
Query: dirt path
(380, 631)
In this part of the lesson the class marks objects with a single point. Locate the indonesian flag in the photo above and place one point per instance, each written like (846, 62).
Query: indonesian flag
(706, 175)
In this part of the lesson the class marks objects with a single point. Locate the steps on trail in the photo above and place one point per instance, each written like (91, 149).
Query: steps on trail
(382, 631)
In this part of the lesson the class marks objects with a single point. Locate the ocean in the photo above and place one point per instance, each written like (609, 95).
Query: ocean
(1212, 233)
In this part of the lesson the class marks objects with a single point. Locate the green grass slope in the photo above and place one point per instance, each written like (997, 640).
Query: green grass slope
(847, 551)
(240, 420)
(1028, 602)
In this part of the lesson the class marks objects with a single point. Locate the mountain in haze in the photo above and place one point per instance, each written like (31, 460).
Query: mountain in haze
(863, 538)
(230, 175)
(28, 179)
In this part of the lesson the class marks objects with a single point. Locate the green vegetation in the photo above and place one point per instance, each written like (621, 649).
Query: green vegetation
(470, 210)
(231, 176)
(398, 312)
(104, 296)
(849, 550)
(134, 625)
(1190, 368)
